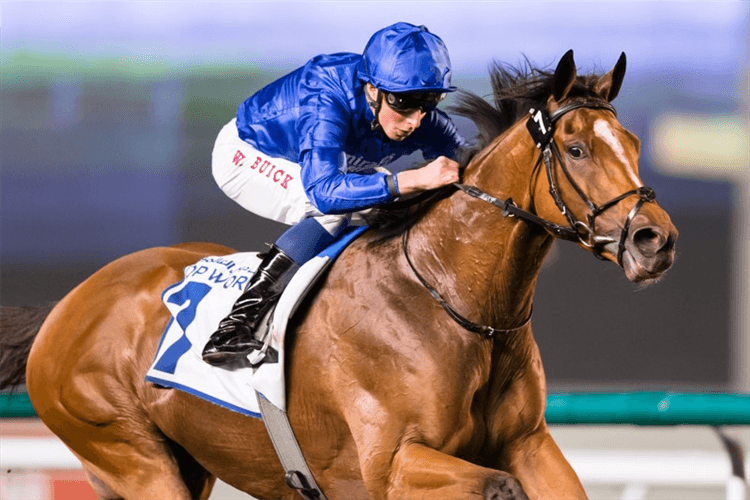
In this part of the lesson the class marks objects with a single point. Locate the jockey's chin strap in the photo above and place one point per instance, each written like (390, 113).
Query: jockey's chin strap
(541, 127)
(376, 105)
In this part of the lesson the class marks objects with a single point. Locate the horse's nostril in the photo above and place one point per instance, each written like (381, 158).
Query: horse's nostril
(649, 241)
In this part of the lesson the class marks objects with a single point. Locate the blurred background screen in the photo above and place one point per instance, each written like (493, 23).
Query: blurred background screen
(110, 109)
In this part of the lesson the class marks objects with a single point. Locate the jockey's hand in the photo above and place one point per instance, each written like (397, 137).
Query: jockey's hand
(438, 173)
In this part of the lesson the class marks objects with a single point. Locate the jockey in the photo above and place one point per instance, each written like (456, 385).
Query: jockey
(310, 150)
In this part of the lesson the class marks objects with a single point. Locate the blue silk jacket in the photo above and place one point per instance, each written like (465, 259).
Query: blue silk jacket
(319, 111)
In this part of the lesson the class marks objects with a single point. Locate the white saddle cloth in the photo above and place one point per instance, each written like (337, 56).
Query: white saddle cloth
(197, 304)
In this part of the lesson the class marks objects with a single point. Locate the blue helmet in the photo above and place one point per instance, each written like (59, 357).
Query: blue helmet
(406, 58)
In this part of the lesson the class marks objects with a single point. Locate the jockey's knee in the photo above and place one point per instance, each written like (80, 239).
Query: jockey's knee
(333, 223)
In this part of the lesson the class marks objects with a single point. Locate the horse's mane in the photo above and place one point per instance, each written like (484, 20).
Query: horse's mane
(515, 90)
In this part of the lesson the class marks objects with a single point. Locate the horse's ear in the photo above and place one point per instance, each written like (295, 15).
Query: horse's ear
(565, 76)
(609, 85)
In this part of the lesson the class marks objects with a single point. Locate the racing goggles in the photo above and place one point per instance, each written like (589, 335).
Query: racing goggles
(411, 101)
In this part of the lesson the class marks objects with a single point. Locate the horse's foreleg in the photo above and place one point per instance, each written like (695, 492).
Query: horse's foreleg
(542, 469)
(420, 472)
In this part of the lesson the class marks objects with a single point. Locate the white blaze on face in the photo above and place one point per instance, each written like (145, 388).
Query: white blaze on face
(605, 133)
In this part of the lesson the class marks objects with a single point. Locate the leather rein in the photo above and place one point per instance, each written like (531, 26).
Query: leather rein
(541, 127)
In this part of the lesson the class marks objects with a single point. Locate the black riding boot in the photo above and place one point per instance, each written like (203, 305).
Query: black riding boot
(235, 336)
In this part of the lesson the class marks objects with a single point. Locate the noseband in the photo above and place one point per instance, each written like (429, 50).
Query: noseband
(541, 127)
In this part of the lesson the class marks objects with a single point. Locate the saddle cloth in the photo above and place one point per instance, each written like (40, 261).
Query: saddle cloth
(201, 300)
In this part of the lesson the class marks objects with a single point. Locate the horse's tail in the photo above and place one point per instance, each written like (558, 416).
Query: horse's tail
(18, 328)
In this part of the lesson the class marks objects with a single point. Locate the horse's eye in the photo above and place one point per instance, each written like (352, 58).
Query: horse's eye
(575, 151)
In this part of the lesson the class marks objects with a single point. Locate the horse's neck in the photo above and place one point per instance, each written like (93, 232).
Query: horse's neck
(486, 264)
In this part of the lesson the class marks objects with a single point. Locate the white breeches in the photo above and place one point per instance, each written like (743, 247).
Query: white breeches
(266, 186)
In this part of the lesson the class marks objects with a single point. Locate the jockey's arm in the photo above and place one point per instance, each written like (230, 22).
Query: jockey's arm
(333, 191)
(438, 173)
(443, 143)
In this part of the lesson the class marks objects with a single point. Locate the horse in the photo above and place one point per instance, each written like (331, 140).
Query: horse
(412, 371)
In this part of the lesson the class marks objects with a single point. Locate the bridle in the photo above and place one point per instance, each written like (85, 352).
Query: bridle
(541, 126)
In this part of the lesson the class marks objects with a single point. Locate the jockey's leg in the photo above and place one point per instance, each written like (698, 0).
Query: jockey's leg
(235, 337)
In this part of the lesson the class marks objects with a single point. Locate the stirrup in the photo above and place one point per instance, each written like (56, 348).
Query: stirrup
(266, 353)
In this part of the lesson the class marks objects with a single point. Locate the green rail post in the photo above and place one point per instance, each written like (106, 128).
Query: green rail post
(16, 405)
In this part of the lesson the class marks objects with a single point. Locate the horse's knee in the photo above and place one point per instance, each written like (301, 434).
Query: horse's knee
(504, 487)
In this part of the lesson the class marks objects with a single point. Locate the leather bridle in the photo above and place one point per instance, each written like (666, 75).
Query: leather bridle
(541, 127)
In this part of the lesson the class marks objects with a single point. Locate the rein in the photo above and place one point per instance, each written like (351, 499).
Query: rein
(541, 127)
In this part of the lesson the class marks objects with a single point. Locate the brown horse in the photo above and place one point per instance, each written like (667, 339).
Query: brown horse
(392, 393)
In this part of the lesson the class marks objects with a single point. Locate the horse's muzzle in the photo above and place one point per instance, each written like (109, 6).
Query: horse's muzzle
(649, 248)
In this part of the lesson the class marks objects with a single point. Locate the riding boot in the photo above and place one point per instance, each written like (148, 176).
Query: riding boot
(235, 336)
